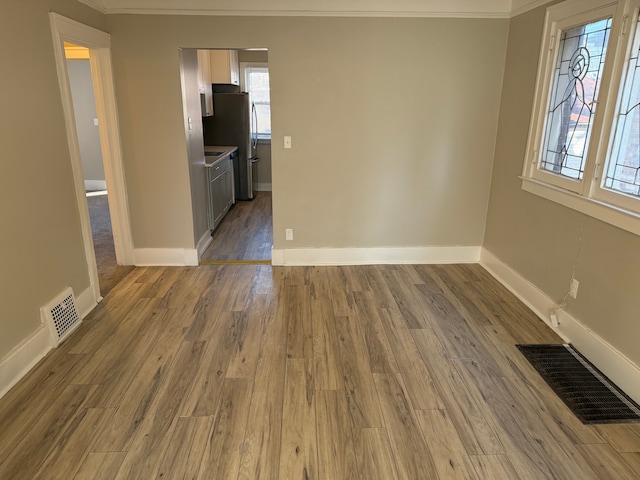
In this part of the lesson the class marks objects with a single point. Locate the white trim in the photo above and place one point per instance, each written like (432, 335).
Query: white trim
(169, 257)
(611, 214)
(19, 361)
(615, 365)
(263, 187)
(441, 13)
(85, 302)
(100, 185)
(499, 9)
(203, 243)
(372, 256)
(527, 292)
(277, 256)
(64, 29)
(109, 129)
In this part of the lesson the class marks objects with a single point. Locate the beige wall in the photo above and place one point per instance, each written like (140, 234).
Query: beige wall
(540, 239)
(257, 56)
(84, 109)
(41, 243)
(393, 124)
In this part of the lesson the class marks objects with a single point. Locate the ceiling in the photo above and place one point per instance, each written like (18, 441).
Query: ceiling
(355, 8)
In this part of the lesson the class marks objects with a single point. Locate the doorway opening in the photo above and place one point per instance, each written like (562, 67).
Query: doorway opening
(245, 234)
(86, 120)
(95, 45)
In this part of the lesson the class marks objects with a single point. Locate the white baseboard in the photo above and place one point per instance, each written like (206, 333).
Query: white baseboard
(262, 187)
(615, 365)
(86, 301)
(95, 184)
(203, 243)
(23, 358)
(17, 363)
(165, 257)
(372, 256)
(527, 292)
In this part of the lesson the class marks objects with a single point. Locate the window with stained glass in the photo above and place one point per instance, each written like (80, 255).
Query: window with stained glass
(576, 81)
(623, 166)
(584, 139)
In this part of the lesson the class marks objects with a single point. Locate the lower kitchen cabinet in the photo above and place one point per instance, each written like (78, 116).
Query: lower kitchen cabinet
(220, 190)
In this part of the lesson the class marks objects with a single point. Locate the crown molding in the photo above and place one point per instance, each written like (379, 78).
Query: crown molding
(303, 13)
(280, 8)
(309, 8)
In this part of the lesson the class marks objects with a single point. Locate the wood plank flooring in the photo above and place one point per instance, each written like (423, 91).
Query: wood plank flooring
(246, 232)
(257, 372)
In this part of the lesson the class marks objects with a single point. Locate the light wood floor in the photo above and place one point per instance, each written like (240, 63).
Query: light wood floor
(253, 372)
(246, 233)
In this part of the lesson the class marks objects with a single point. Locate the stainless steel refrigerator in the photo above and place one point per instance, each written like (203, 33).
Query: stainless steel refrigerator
(233, 123)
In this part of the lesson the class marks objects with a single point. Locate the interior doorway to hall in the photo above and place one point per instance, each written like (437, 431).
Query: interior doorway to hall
(93, 169)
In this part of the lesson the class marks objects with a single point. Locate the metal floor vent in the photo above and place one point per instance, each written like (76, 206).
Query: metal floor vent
(590, 395)
(61, 316)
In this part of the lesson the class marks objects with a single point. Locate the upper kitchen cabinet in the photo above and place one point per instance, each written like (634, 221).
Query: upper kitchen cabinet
(204, 82)
(224, 66)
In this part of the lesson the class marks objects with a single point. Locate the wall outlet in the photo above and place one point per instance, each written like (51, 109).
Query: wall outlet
(288, 234)
(573, 288)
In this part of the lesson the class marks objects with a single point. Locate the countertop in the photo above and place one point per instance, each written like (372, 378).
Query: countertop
(226, 150)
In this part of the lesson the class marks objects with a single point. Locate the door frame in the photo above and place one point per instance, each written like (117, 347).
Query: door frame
(99, 44)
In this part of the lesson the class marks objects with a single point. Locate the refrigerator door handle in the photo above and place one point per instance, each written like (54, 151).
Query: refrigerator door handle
(254, 113)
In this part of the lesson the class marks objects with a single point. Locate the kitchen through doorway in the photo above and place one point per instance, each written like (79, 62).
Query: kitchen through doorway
(245, 234)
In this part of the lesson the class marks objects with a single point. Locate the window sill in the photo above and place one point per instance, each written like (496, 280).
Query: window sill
(611, 214)
(264, 141)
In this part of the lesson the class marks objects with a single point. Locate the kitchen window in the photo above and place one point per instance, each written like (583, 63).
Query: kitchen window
(583, 149)
(255, 79)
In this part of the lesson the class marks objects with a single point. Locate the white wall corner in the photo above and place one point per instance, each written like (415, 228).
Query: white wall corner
(373, 256)
(203, 243)
(622, 371)
(166, 257)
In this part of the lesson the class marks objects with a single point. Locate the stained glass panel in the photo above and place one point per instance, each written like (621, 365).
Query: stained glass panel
(576, 83)
(623, 168)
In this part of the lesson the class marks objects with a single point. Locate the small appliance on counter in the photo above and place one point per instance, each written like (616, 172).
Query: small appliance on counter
(233, 123)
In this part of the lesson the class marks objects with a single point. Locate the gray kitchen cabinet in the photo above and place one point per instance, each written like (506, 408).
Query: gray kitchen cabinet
(220, 190)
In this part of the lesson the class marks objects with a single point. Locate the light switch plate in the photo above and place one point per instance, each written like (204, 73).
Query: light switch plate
(287, 141)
